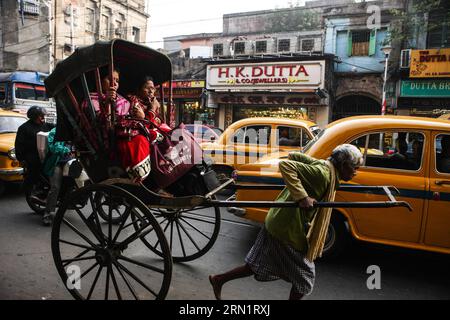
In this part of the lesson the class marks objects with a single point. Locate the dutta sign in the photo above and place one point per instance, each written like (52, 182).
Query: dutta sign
(290, 75)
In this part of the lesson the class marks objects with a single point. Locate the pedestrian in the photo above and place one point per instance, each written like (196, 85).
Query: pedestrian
(292, 238)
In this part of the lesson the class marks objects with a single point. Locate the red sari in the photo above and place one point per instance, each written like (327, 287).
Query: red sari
(134, 149)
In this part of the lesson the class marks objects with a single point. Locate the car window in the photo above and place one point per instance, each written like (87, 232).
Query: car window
(315, 130)
(394, 150)
(30, 92)
(252, 135)
(2, 92)
(314, 140)
(442, 152)
(11, 124)
(291, 136)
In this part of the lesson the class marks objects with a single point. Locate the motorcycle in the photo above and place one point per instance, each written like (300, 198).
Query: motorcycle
(74, 177)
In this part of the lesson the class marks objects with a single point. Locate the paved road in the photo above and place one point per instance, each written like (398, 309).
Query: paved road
(27, 270)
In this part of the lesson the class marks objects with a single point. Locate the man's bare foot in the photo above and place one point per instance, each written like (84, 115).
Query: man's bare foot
(217, 288)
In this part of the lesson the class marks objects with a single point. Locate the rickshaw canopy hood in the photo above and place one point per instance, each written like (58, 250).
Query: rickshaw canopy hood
(131, 59)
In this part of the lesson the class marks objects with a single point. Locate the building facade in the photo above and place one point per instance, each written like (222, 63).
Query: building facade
(422, 73)
(24, 35)
(36, 34)
(356, 38)
(347, 36)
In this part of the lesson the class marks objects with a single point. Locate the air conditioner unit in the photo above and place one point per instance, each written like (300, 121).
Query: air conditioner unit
(118, 31)
(307, 44)
(405, 58)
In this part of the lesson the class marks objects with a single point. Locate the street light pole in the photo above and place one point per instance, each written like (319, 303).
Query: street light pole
(387, 51)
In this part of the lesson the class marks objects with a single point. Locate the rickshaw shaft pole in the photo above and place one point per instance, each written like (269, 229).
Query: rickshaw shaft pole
(292, 204)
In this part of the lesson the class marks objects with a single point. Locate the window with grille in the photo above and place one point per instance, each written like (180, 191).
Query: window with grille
(360, 42)
(439, 31)
(218, 49)
(90, 19)
(307, 45)
(136, 34)
(284, 45)
(30, 7)
(261, 46)
(105, 25)
(239, 47)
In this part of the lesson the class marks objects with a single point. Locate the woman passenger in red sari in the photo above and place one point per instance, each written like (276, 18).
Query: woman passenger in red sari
(134, 150)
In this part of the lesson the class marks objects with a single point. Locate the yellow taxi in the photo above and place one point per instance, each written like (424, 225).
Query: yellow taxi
(413, 155)
(10, 170)
(247, 140)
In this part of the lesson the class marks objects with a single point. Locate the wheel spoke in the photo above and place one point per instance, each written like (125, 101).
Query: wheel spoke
(192, 226)
(109, 225)
(129, 285)
(136, 278)
(141, 264)
(121, 227)
(181, 239)
(76, 244)
(210, 219)
(88, 270)
(94, 283)
(136, 235)
(116, 287)
(79, 233)
(171, 234)
(78, 256)
(77, 259)
(92, 228)
(189, 236)
(107, 283)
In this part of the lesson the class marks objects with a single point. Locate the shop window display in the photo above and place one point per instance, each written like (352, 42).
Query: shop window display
(194, 112)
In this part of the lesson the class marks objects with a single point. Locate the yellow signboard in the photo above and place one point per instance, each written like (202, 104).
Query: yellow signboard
(430, 63)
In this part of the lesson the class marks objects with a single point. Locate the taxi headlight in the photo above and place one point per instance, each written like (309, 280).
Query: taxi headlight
(12, 154)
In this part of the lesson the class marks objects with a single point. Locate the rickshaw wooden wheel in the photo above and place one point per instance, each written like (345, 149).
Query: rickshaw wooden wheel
(190, 232)
(101, 260)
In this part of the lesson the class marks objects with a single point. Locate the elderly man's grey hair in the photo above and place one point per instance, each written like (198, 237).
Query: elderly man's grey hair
(346, 153)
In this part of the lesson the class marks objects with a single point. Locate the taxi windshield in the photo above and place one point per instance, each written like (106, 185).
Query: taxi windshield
(10, 124)
(313, 141)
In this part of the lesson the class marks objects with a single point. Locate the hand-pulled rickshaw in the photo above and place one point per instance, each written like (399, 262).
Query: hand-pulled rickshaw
(116, 238)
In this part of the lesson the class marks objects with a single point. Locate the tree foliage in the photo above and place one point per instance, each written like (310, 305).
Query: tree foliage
(420, 16)
(294, 19)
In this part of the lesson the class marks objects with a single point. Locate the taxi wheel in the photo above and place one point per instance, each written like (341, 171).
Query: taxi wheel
(337, 237)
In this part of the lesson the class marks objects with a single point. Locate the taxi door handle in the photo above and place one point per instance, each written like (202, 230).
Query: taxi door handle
(442, 182)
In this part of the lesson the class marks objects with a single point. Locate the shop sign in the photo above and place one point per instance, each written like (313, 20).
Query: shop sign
(289, 75)
(184, 93)
(269, 99)
(425, 88)
(430, 63)
(186, 84)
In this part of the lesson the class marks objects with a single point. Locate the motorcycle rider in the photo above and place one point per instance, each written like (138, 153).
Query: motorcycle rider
(26, 144)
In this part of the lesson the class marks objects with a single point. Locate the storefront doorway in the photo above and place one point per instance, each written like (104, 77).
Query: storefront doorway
(193, 111)
(355, 105)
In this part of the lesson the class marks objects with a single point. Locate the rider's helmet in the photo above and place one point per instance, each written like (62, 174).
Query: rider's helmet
(35, 111)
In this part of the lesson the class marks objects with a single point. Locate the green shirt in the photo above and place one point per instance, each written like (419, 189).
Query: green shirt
(304, 176)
